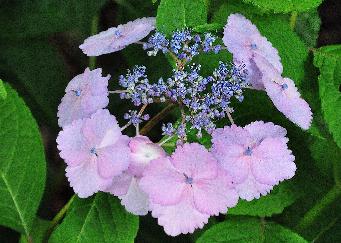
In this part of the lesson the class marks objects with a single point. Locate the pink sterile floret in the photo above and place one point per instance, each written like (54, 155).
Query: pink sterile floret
(85, 94)
(95, 151)
(186, 188)
(126, 186)
(284, 95)
(117, 38)
(243, 40)
(256, 156)
(142, 152)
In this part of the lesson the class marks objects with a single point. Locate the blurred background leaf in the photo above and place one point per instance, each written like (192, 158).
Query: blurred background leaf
(40, 71)
(31, 18)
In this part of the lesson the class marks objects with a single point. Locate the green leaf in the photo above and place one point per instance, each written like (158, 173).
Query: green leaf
(249, 230)
(208, 27)
(3, 93)
(41, 18)
(276, 29)
(38, 69)
(285, 6)
(178, 14)
(326, 155)
(39, 228)
(22, 164)
(308, 27)
(274, 203)
(331, 233)
(310, 91)
(328, 60)
(100, 218)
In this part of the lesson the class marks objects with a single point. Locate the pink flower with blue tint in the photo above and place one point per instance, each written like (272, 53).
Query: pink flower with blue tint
(142, 152)
(85, 94)
(256, 157)
(244, 41)
(186, 188)
(95, 151)
(126, 186)
(117, 38)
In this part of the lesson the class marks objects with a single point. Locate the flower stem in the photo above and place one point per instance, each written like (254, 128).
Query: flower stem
(140, 42)
(120, 91)
(57, 218)
(125, 126)
(142, 110)
(94, 30)
(156, 119)
(230, 118)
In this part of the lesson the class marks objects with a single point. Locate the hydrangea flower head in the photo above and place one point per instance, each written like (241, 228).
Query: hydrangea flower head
(85, 94)
(256, 156)
(117, 38)
(95, 151)
(186, 188)
(243, 40)
(284, 95)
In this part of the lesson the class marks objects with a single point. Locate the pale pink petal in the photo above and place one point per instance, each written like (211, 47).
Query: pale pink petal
(195, 161)
(72, 144)
(142, 152)
(181, 218)
(120, 184)
(238, 32)
(268, 52)
(216, 195)
(232, 135)
(135, 200)
(228, 147)
(102, 129)
(251, 189)
(289, 102)
(117, 38)
(234, 162)
(92, 103)
(114, 159)
(85, 180)
(260, 130)
(162, 182)
(273, 162)
(285, 96)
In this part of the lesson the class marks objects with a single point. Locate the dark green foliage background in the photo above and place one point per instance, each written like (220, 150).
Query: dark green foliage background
(39, 55)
